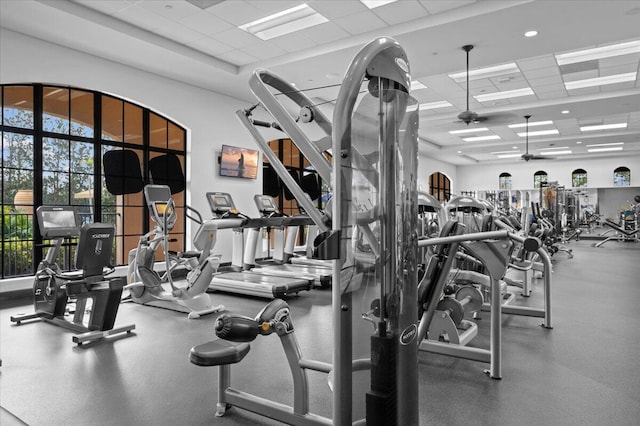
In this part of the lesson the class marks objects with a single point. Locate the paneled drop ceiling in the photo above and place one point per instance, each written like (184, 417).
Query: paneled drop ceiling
(200, 42)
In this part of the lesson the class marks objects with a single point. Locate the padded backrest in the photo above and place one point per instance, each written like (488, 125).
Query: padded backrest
(271, 183)
(122, 172)
(426, 287)
(310, 183)
(94, 249)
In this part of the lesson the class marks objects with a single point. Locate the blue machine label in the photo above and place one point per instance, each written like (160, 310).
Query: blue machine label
(408, 334)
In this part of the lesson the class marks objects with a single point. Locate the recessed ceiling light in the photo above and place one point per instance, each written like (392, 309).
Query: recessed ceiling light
(508, 155)
(613, 148)
(459, 152)
(603, 127)
(372, 4)
(416, 85)
(284, 22)
(487, 72)
(531, 124)
(539, 133)
(606, 144)
(531, 33)
(556, 152)
(502, 152)
(514, 147)
(578, 142)
(565, 111)
(507, 94)
(481, 138)
(601, 81)
(479, 129)
(599, 52)
(555, 147)
(434, 105)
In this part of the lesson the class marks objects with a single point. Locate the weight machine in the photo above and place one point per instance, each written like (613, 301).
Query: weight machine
(374, 213)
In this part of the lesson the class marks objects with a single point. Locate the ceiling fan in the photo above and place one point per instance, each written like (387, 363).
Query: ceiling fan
(469, 116)
(526, 156)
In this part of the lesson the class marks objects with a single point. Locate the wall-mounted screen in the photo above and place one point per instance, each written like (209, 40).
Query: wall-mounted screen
(239, 162)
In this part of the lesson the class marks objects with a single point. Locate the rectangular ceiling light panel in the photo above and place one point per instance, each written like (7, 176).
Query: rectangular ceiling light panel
(606, 144)
(507, 94)
(601, 81)
(435, 105)
(416, 85)
(488, 72)
(539, 133)
(474, 130)
(509, 155)
(556, 152)
(603, 127)
(481, 138)
(531, 124)
(611, 148)
(599, 52)
(285, 22)
(372, 4)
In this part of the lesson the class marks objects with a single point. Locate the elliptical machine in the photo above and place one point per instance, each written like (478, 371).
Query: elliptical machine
(146, 285)
(55, 291)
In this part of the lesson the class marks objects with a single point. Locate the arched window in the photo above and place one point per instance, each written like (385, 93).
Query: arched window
(622, 176)
(504, 181)
(579, 178)
(440, 186)
(539, 177)
(53, 142)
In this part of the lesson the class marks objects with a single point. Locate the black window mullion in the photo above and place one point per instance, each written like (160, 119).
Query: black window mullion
(37, 167)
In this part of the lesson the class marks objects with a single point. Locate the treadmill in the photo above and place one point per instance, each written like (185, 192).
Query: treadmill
(240, 281)
(284, 246)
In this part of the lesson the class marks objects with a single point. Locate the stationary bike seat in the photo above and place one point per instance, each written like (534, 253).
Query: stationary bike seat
(218, 352)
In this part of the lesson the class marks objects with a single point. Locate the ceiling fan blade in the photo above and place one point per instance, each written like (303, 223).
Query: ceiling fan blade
(497, 118)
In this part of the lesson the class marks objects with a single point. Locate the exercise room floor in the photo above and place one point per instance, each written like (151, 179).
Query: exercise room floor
(586, 371)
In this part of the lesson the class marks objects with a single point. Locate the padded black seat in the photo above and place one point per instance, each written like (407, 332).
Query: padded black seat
(218, 352)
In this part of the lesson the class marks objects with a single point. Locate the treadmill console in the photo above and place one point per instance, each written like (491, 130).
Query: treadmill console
(220, 203)
(266, 204)
(57, 221)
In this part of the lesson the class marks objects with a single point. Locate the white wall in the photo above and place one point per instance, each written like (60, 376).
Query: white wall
(599, 172)
(427, 166)
(210, 117)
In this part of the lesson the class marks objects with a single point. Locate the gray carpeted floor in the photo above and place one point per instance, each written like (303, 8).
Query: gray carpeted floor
(586, 371)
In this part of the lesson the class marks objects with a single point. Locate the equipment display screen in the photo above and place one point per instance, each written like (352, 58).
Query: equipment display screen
(58, 219)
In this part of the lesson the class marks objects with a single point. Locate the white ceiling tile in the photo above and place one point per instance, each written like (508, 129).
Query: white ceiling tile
(179, 33)
(401, 11)
(617, 86)
(140, 17)
(575, 76)
(236, 38)
(583, 91)
(438, 6)
(211, 46)
(205, 23)
(559, 89)
(237, 57)
(335, 10)
(106, 6)
(293, 42)
(324, 33)
(170, 9)
(273, 6)
(541, 72)
(360, 22)
(264, 50)
(620, 60)
(618, 69)
(237, 12)
(549, 95)
(545, 81)
(546, 61)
